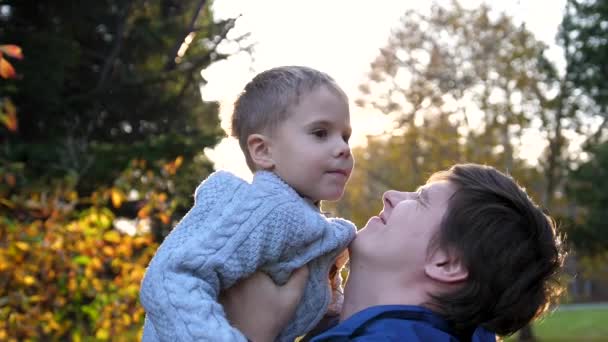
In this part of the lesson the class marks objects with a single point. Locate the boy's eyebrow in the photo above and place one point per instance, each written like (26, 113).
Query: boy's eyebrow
(323, 122)
(319, 122)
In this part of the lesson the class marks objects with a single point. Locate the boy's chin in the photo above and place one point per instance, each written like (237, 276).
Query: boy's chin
(334, 197)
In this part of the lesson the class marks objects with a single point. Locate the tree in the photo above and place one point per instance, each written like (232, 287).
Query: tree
(465, 85)
(588, 187)
(110, 81)
(583, 33)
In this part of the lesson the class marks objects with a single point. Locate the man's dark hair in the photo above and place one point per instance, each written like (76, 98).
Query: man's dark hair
(511, 249)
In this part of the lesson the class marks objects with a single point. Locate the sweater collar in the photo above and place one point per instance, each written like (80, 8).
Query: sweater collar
(272, 181)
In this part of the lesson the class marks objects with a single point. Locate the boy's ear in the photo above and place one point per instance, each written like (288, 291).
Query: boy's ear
(446, 267)
(259, 150)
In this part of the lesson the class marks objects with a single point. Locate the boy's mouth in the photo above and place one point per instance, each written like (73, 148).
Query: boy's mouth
(342, 172)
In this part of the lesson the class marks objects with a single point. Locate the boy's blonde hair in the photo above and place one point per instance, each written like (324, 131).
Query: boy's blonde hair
(269, 97)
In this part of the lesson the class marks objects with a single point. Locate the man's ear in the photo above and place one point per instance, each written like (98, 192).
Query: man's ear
(259, 150)
(446, 267)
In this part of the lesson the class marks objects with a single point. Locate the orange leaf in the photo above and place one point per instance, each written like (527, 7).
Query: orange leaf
(12, 50)
(9, 117)
(164, 218)
(10, 179)
(171, 167)
(6, 69)
(144, 212)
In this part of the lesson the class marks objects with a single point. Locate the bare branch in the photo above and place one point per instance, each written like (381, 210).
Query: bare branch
(115, 51)
(191, 28)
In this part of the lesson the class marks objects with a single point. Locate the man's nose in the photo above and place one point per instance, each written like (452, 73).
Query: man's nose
(393, 197)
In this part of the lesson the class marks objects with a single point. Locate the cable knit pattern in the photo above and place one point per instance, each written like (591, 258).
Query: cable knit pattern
(234, 229)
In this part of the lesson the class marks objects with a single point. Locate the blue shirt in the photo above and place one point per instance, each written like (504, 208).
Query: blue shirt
(396, 323)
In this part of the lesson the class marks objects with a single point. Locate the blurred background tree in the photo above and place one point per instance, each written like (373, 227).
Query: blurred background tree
(466, 85)
(462, 86)
(102, 138)
(108, 82)
(102, 131)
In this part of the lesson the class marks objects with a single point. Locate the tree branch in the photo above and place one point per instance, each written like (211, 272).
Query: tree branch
(115, 51)
(191, 28)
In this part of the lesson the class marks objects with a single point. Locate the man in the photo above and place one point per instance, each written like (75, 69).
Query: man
(469, 249)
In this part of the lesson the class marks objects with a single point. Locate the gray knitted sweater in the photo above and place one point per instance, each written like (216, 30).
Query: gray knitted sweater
(234, 229)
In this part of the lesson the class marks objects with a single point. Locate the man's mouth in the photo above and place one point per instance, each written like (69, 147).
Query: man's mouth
(381, 216)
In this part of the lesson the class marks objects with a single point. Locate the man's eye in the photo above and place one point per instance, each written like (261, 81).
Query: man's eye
(320, 133)
(421, 199)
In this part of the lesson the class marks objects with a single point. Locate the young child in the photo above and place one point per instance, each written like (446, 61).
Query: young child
(293, 125)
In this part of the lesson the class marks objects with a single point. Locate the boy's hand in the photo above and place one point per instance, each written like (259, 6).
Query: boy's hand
(259, 308)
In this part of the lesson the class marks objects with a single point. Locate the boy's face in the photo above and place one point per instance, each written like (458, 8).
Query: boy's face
(310, 148)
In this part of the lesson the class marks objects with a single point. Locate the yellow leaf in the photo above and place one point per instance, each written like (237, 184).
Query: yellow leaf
(96, 263)
(107, 250)
(29, 280)
(6, 69)
(22, 246)
(117, 197)
(3, 265)
(12, 50)
(7, 203)
(102, 334)
(36, 298)
(72, 285)
(8, 115)
(178, 161)
(112, 236)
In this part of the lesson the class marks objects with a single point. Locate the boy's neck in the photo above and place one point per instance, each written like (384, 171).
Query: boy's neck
(316, 204)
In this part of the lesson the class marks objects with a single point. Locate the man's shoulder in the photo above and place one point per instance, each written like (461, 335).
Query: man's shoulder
(389, 323)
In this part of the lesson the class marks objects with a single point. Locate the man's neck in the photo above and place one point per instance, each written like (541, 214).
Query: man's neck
(366, 289)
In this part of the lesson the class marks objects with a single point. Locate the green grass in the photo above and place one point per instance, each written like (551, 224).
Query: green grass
(572, 325)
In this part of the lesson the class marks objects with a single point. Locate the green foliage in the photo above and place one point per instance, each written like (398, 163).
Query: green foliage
(588, 188)
(484, 77)
(461, 86)
(572, 325)
(65, 272)
(584, 32)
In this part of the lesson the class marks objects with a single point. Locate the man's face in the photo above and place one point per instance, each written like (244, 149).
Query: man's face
(397, 240)
(310, 149)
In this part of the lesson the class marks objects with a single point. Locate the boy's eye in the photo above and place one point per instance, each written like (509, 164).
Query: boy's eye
(346, 137)
(320, 133)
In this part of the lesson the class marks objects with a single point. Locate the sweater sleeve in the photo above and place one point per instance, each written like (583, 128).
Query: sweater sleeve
(181, 287)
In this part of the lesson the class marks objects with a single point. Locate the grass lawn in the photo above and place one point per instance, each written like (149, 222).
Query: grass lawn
(572, 325)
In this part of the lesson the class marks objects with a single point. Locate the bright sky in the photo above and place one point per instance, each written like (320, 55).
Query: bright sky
(339, 37)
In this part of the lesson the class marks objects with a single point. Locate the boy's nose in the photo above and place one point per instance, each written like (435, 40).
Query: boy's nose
(342, 150)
